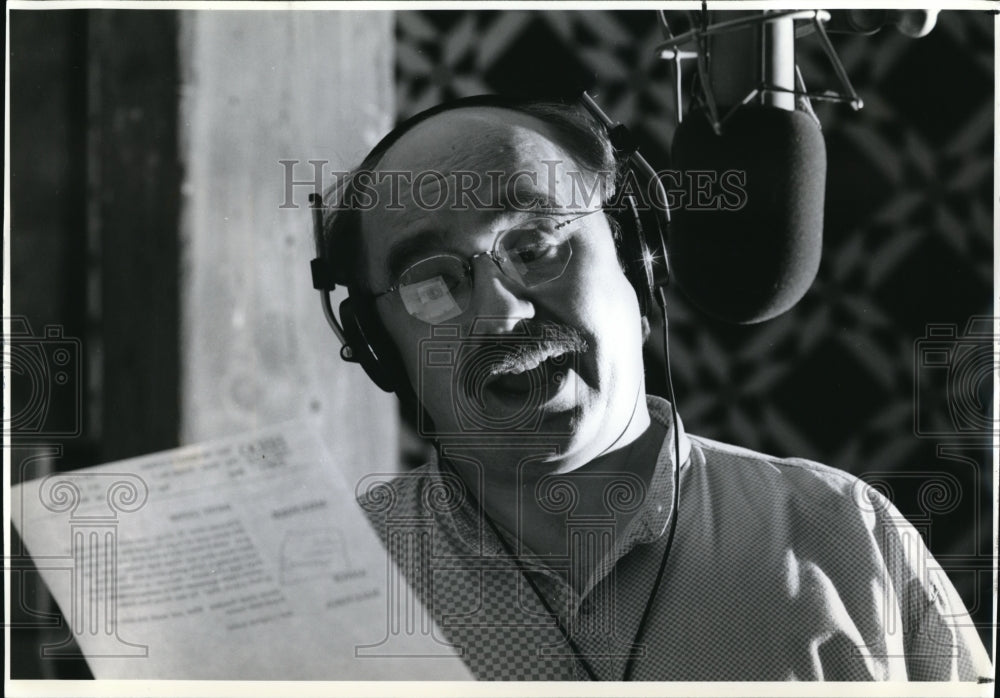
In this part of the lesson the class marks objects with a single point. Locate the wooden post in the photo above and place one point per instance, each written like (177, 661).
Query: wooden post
(131, 234)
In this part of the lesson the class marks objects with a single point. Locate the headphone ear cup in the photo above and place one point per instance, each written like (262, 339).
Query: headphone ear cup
(369, 346)
(655, 228)
(634, 252)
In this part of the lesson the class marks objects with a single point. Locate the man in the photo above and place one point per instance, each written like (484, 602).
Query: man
(570, 529)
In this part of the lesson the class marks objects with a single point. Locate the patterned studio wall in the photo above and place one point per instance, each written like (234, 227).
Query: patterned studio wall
(908, 242)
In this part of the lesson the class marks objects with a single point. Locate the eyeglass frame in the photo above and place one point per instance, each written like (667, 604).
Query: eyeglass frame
(493, 254)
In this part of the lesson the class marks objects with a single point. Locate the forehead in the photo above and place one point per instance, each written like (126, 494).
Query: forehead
(485, 152)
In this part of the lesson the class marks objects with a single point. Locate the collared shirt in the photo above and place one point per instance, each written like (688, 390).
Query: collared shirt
(779, 569)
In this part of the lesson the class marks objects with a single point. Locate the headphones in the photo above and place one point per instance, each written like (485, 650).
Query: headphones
(640, 241)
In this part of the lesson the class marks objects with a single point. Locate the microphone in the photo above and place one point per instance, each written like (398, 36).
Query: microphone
(749, 262)
(750, 259)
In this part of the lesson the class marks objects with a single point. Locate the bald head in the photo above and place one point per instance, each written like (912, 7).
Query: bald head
(474, 138)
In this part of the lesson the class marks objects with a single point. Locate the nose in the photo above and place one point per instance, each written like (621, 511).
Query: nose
(498, 302)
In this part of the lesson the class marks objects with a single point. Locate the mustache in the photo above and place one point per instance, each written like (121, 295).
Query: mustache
(540, 341)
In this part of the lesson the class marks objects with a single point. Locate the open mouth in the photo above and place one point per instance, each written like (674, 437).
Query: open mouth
(539, 372)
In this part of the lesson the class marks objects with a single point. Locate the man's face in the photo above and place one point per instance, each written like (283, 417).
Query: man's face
(583, 390)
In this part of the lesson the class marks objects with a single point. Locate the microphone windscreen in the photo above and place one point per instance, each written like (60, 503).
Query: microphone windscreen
(746, 258)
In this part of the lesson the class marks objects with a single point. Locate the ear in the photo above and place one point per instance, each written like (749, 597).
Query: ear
(644, 323)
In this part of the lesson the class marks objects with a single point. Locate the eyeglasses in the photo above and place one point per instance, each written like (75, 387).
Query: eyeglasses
(531, 253)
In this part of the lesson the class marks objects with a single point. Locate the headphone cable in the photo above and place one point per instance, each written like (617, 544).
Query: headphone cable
(644, 621)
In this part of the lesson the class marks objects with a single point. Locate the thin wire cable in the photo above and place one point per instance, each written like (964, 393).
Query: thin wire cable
(664, 24)
(644, 621)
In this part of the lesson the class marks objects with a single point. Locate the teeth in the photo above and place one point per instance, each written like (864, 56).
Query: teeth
(530, 364)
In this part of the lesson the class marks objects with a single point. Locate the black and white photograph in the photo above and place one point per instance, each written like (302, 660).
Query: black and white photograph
(459, 343)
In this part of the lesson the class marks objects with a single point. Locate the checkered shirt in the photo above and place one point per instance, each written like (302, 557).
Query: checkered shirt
(780, 569)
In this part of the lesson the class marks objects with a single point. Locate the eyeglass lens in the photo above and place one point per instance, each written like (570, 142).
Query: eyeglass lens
(439, 288)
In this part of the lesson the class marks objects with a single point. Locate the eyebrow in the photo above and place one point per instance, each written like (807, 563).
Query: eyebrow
(527, 199)
(404, 252)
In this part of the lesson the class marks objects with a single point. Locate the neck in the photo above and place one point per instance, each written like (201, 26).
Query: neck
(537, 501)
